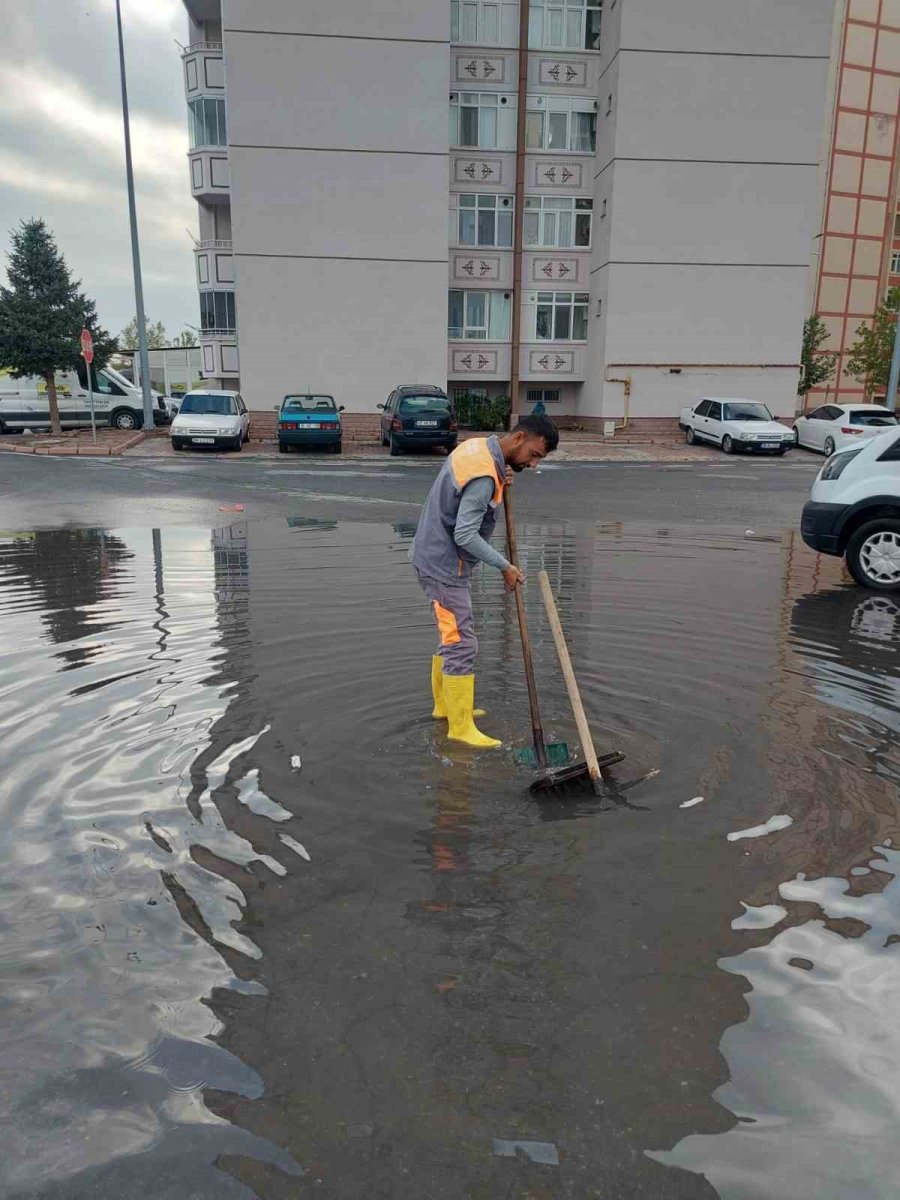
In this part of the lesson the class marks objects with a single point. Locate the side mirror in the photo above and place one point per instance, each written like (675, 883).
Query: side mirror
(276, 407)
(379, 406)
(341, 408)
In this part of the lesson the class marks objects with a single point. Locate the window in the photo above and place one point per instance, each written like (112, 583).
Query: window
(561, 123)
(746, 410)
(702, 409)
(543, 396)
(483, 120)
(557, 221)
(208, 404)
(206, 123)
(715, 411)
(307, 403)
(561, 317)
(868, 417)
(462, 391)
(484, 22)
(895, 263)
(477, 316)
(564, 24)
(217, 310)
(485, 220)
(418, 404)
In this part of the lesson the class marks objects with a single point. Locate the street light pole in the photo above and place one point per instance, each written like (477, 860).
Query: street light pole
(891, 398)
(135, 247)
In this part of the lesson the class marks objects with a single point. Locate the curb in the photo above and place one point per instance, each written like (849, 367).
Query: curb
(76, 449)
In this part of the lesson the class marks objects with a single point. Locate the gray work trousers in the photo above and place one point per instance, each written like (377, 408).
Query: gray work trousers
(451, 606)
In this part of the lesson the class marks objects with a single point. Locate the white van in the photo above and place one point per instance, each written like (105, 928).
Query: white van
(117, 402)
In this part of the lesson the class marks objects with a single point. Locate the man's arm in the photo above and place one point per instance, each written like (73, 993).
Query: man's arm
(473, 506)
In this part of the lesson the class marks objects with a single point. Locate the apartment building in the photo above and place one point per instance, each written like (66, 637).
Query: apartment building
(858, 248)
(357, 168)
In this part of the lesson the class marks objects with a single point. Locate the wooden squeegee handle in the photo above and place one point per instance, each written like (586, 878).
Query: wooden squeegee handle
(537, 731)
(584, 733)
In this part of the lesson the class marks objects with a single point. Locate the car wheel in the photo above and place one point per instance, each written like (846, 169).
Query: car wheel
(336, 448)
(782, 452)
(829, 447)
(395, 449)
(177, 444)
(690, 437)
(796, 437)
(124, 418)
(451, 446)
(728, 444)
(282, 448)
(873, 555)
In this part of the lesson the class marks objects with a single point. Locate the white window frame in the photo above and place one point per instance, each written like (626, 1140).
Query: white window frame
(484, 22)
(562, 24)
(549, 109)
(550, 228)
(895, 262)
(555, 301)
(471, 204)
(503, 135)
(494, 303)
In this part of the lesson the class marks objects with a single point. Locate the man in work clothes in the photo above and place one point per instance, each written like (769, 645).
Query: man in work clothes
(452, 538)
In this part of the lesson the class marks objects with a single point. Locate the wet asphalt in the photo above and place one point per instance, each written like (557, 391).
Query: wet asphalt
(266, 933)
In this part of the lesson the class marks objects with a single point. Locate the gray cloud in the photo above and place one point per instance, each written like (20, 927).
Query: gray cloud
(61, 149)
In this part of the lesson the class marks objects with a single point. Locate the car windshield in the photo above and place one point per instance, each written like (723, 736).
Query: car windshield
(873, 418)
(747, 412)
(416, 404)
(204, 404)
(308, 403)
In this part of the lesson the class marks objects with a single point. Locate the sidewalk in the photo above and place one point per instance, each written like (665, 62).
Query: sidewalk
(73, 442)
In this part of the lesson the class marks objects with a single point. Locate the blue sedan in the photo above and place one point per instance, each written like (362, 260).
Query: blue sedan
(308, 420)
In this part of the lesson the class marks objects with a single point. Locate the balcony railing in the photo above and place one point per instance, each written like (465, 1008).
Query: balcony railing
(218, 333)
(214, 244)
(198, 47)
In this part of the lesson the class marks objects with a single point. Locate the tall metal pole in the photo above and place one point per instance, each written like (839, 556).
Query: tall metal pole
(891, 398)
(135, 247)
(522, 110)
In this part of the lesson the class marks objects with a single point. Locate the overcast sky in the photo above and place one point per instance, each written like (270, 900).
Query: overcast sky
(61, 149)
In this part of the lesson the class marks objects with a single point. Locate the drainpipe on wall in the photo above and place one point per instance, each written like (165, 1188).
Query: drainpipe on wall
(518, 238)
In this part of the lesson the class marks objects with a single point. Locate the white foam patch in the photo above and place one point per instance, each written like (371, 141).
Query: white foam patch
(295, 846)
(782, 821)
(765, 917)
(692, 803)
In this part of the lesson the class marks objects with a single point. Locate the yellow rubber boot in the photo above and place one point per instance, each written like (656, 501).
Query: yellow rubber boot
(437, 690)
(459, 697)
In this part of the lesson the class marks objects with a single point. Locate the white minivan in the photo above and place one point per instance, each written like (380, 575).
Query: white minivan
(117, 402)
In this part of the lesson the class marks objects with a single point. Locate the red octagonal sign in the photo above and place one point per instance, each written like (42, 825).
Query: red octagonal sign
(87, 346)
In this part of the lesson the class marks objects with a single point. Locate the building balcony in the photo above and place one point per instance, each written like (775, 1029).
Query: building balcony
(220, 352)
(204, 70)
(478, 361)
(210, 178)
(557, 362)
(215, 264)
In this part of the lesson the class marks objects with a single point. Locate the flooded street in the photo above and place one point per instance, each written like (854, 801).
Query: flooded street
(265, 933)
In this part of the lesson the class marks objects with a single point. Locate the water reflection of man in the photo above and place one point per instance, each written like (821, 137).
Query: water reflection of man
(452, 538)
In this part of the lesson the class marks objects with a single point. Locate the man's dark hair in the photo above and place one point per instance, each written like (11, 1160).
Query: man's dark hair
(537, 425)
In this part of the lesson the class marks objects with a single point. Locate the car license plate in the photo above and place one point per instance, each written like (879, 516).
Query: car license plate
(770, 445)
(311, 425)
(426, 424)
(204, 441)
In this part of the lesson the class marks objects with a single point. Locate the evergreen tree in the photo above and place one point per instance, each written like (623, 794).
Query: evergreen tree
(818, 364)
(869, 360)
(42, 312)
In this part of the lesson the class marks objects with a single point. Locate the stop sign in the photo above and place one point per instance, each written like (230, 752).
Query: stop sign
(87, 346)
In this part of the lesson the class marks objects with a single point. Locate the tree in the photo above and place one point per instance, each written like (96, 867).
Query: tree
(869, 359)
(43, 311)
(186, 338)
(156, 335)
(818, 364)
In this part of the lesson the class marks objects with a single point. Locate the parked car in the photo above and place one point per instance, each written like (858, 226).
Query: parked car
(308, 420)
(835, 426)
(418, 415)
(735, 425)
(211, 418)
(117, 402)
(854, 511)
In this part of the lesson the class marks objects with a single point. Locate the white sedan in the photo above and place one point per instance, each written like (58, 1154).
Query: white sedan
(211, 418)
(735, 425)
(839, 426)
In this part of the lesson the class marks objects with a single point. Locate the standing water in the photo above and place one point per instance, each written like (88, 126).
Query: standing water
(265, 932)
